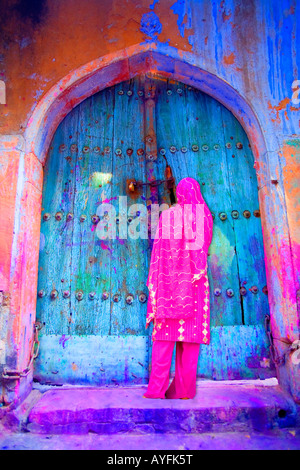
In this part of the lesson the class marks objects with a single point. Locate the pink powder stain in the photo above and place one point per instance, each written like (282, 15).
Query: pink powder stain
(105, 247)
(107, 200)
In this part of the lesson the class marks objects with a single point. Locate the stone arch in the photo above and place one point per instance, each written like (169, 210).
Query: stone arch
(59, 101)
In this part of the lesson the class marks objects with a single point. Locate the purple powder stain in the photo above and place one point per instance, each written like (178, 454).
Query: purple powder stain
(107, 200)
(63, 341)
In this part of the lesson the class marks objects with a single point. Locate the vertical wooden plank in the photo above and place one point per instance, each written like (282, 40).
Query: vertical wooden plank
(247, 227)
(172, 119)
(90, 255)
(56, 234)
(129, 256)
(152, 173)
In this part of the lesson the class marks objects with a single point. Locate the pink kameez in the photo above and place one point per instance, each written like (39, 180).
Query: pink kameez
(178, 283)
(178, 303)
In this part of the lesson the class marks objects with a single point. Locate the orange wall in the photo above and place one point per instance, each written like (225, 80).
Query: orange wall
(249, 44)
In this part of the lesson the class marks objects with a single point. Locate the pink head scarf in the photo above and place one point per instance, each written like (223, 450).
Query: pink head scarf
(178, 259)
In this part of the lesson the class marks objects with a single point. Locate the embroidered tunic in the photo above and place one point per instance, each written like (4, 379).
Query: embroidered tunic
(193, 330)
(178, 285)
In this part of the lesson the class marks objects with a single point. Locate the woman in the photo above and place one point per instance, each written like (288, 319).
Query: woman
(178, 286)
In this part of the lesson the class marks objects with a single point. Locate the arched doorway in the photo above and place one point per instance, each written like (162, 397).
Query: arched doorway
(91, 292)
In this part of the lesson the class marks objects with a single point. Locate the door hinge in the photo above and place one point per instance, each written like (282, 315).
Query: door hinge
(275, 357)
(17, 375)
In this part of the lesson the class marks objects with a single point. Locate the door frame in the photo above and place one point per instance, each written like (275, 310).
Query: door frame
(75, 87)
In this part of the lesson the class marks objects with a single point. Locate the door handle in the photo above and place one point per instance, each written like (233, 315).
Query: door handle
(133, 185)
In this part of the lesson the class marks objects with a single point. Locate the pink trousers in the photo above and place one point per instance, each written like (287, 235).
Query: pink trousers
(184, 382)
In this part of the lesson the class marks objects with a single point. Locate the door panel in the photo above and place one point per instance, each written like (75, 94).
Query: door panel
(100, 337)
(129, 256)
(90, 262)
(92, 339)
(202, 139)
(247, 226)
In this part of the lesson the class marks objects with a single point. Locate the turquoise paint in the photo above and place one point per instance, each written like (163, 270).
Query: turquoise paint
(235, 352)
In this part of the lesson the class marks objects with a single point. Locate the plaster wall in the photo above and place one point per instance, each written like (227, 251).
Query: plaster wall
(250, 46)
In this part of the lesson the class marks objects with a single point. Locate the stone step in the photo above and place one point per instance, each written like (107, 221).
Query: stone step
(254, 405)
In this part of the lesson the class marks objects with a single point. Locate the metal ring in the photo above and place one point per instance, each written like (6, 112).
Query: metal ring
(129, 299)
(243, 290)
(95, 218)
(142, 298)
(54, 294)
(79, 295)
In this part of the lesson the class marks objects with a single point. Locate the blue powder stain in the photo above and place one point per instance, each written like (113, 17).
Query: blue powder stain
(153, 4)
(150, 25)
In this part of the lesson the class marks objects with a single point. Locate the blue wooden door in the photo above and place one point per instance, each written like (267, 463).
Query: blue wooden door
(92, 296)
